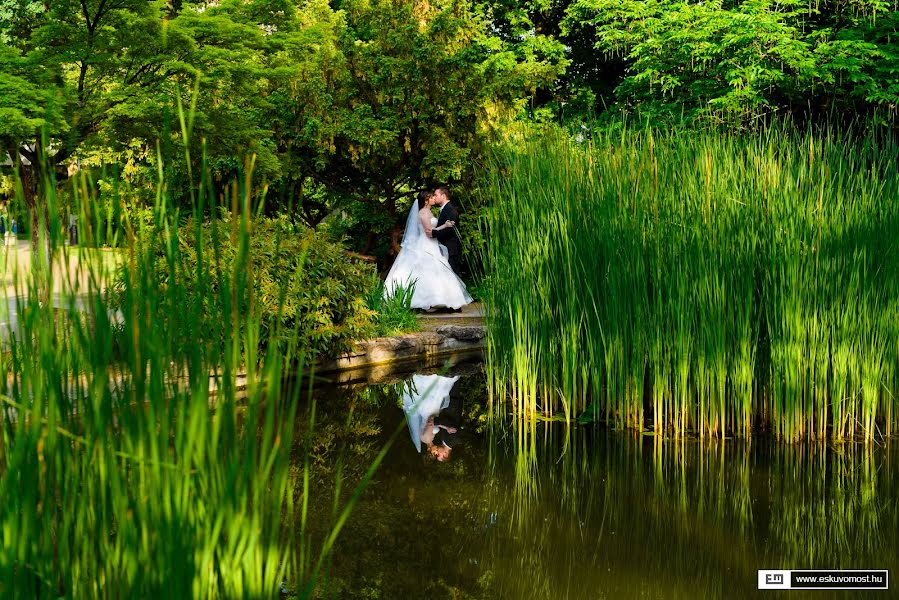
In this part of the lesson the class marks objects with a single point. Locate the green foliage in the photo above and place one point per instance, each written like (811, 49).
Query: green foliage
(21, 101)
(397, 96)
(736, 61)
(115, 454)
(534, 29)
(353, 106)
(358, 101)
(307, 289)
(725, 283)
(394, 313)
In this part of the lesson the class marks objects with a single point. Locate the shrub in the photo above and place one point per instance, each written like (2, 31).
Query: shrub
(320, 290)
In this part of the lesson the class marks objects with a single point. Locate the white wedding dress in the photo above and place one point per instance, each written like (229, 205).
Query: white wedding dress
(427, 396)
(423, 261)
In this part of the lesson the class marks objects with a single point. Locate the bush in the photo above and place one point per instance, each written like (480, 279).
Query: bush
(302, 281)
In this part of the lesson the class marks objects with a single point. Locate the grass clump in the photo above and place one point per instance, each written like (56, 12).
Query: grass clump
(132, 464)
(394, 312)
(698, 282)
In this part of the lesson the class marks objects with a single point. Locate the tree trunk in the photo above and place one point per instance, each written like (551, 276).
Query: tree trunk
(30, 198)
(396, 236)
(27, 179)
(31, 179)
(396, 232)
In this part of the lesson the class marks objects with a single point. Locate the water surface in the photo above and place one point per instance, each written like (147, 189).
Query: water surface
(544, 511)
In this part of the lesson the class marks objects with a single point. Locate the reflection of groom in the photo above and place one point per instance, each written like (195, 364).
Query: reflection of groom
(448, 237)
(448, 421)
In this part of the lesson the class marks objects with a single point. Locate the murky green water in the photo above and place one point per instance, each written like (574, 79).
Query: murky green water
(544, 512)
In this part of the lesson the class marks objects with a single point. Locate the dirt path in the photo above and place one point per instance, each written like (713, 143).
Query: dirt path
(71, 268)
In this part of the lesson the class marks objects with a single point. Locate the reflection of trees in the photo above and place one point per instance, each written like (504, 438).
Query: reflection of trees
(410, 535)
(344, 438)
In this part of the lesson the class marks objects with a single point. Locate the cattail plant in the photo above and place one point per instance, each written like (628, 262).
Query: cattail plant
(697, 282)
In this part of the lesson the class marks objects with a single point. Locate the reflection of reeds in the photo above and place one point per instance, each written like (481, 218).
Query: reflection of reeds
(748, 281)
(829, 513)
(620, 517)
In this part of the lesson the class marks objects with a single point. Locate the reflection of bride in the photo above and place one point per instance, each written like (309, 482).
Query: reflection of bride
(427, 396)
(423, 261)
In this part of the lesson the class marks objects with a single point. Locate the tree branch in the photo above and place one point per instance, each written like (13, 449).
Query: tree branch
(101, 11)
(29, 155)
(82, 75)
(87, 17)
(141, 71)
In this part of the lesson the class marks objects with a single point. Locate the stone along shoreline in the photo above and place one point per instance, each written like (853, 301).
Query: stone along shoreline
(441, 334)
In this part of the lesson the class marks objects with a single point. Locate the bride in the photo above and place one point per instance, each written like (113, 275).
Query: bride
(423, 399)
(422, 261)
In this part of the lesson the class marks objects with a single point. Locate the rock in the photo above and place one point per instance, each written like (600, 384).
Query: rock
(423, 345)
(450, 344)
(467, 333)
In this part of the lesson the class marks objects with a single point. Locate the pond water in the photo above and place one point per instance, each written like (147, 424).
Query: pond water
(543, 511)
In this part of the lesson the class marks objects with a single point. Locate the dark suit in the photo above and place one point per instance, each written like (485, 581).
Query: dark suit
(449, 238)
(451, 416)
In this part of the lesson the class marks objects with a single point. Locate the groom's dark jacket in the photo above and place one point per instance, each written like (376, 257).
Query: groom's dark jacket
(448, 237)
(451, 416)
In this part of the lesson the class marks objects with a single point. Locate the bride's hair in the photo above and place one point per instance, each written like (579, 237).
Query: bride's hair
(423, 197)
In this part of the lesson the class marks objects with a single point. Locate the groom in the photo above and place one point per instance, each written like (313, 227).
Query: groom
(448, 422)
(448, 237)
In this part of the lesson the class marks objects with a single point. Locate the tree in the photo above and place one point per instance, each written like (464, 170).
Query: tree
(25, 108)
(540, 28)
(70, 48)
(22, 102)
(113, 71)
(739, 61)
(399, 94)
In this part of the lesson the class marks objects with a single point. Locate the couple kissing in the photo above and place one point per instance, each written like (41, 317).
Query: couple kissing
(430, 255)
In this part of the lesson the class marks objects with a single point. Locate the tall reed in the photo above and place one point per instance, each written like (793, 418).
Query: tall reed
(132, 464)
(698, 282)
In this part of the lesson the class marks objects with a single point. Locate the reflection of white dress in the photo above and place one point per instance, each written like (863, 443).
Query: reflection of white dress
(423, 260)
(428, 395)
